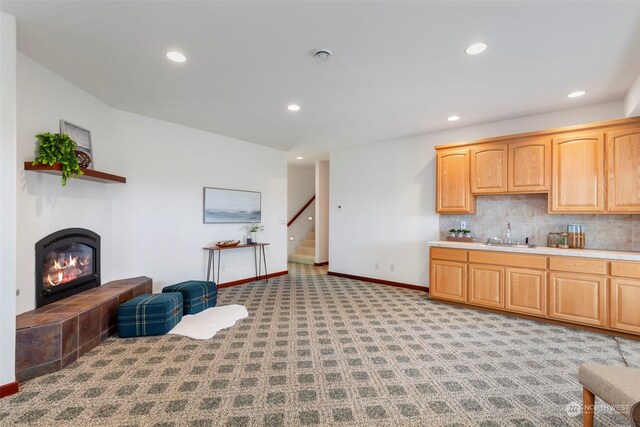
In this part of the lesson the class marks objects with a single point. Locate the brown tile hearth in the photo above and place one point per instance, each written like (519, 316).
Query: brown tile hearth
(52, 337)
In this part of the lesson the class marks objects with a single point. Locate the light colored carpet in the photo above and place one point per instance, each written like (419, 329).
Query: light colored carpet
(321, 350)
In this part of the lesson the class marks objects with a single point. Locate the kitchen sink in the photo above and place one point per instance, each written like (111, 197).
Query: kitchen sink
(508, 245)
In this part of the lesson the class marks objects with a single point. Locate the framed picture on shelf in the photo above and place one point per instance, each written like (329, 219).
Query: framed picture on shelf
(82, 137)
(223, 206)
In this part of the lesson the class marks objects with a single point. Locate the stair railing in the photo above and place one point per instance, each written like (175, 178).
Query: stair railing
(291, 221)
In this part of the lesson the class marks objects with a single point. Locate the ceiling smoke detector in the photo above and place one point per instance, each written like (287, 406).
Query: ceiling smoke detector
(322, 53)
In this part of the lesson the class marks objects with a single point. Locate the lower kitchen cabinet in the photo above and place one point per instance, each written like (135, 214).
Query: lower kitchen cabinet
(578, 298)
(486, 285)
(625, 304)
(526, 291)
(448, 280)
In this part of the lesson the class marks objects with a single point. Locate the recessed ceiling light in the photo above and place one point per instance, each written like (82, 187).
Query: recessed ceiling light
(576, 94)
(176, 56)
(453, 118)
(293, 107)
(299, 157)
(476, 48)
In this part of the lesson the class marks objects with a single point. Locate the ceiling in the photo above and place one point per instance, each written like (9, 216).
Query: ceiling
(398, 68)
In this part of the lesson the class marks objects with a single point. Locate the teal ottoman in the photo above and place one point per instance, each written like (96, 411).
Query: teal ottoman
(198, 295)
(149, 314)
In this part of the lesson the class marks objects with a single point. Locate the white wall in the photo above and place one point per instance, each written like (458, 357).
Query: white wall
(7, 198)
(322, 211)
(387, 191)
(300, 188)
(632, 100)
(152, 225)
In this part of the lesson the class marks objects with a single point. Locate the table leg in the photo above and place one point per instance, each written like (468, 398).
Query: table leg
(209, 252)
(219, 262)
(255, 260)
(266, 272)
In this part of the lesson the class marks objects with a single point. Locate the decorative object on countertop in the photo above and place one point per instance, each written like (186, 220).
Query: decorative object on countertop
(459, 232)
(564, 241)
(82, 138)
(58, 148)
(553, 240)
(462, 235)
(452, 232)
(575, 236)
(253, 233)
(466, 232)
(227, 243)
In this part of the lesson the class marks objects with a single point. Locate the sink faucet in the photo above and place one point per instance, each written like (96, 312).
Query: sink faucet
(509, 233)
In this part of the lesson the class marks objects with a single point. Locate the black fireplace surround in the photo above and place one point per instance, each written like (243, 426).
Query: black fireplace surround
(67, 262)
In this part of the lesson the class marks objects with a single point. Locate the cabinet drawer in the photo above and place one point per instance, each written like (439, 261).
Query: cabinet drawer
(449, 254)
(578, 265)
(508, 259)
(625, 269)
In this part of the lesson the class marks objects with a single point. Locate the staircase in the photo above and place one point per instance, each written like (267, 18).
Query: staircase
(305, 253)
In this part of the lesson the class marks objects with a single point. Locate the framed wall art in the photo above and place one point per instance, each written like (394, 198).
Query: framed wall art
(231, 206)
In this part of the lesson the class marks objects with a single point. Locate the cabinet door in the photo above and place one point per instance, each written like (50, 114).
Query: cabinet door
(625, 305)
(623, 171)
(489, 169)
(448, 280)
(578, 298)
(486, 285)
(453, 194)
(529, 166)
(526, 291)
(578, 173)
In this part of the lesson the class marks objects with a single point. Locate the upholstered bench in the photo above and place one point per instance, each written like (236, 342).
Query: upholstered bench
(149, 314)
(198, 295)
(618, 386)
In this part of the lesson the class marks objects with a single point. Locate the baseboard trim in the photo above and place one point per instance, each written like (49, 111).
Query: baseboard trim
(252, 279)
(9, 389)
(380, 281)
(321, 264)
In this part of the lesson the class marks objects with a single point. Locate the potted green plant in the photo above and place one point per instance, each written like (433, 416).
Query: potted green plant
(459, 232)
(253, 232)
(58, 148)
(452, 232)
(466, 232)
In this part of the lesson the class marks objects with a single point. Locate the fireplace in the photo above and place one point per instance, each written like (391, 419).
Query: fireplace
(67, 262)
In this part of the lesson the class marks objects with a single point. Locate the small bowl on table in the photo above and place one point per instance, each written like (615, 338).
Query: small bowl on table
(227, 243)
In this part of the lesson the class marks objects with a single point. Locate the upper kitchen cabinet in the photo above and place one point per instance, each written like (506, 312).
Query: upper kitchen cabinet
(529, 164)
(453, 193)
(577, 183)
(489, 169)
(623, 171)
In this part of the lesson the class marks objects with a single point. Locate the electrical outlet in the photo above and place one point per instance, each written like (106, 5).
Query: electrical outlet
(377, 265)
(463, 225)
(392, 267)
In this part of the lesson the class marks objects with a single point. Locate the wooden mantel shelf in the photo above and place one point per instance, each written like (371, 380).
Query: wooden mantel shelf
(89, 174)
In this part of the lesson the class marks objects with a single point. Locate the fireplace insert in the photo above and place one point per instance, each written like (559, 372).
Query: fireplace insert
(67, 262)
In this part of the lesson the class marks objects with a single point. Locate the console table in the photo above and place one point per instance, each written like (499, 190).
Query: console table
(258, 258)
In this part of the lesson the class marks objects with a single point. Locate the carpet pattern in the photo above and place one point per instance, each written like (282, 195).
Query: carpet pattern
(323, 350)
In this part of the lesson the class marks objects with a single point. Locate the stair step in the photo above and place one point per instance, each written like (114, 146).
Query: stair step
(302, 259)
(311, 235)
(308, 243)
(302, 250)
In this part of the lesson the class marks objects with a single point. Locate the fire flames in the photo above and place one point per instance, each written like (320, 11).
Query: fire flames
(67, 268)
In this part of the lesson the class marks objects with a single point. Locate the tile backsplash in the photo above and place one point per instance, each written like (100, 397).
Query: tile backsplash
(529, 218)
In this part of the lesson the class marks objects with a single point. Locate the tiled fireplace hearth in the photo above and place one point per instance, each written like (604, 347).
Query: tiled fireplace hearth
(54, 336)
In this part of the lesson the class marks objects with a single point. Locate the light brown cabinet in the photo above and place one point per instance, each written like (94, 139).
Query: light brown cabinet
(623, 171)
(448, 280)
(529, 166)
(577, 182)
(486, 285)
(489, 169)
(599, 293)
(578, 298)
(625, 304)
(453, 192)
(526, 291)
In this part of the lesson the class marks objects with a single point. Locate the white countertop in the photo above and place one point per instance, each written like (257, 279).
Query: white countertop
(541, 250)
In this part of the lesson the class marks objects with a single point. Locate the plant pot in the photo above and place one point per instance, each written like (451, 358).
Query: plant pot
(254, 237)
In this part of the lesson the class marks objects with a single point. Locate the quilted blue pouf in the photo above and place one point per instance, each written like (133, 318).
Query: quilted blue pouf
(149, 314)
(198, 295)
